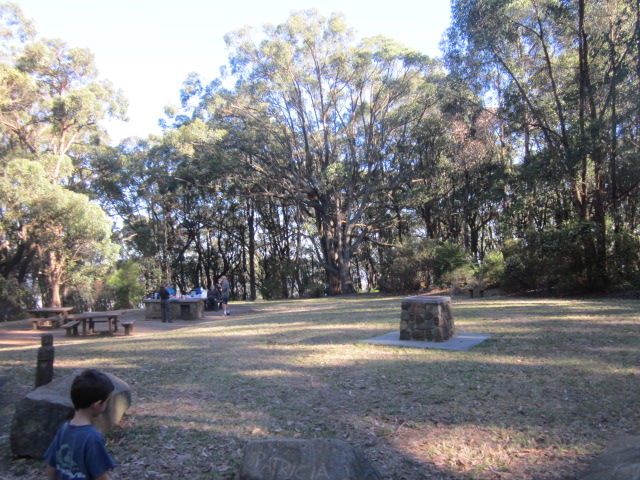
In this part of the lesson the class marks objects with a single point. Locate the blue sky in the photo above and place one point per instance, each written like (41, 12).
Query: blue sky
(147, 48)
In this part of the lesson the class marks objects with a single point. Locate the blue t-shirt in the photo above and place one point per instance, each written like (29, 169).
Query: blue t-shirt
(78, 453)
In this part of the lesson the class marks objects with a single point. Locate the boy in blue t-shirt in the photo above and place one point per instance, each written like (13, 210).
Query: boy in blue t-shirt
(78, 449)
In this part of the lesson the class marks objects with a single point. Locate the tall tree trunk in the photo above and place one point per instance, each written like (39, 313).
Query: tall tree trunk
(54, 279)
(613, 158)
(252, 251)
(593, 144)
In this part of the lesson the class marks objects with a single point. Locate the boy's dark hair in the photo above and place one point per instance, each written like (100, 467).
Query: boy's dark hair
(89, 387)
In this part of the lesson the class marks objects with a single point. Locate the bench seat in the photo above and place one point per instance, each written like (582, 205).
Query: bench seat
(71, 328)
(39, 322)
(128, 326)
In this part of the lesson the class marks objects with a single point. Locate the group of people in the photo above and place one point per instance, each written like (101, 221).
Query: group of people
(214, 297)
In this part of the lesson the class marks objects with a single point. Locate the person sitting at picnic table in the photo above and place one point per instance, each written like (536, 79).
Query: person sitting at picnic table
(213, 298)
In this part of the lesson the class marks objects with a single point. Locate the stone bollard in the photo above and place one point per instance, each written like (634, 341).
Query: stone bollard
(44, 366)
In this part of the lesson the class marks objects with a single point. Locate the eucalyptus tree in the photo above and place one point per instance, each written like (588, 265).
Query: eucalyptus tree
(559, 70)
(170, 193)
(66, 235)
(330, 122)
(51, 103)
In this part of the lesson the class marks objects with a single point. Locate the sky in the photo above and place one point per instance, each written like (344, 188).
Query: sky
(148, 47)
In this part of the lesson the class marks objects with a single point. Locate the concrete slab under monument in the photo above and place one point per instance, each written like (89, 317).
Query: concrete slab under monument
(461, 342)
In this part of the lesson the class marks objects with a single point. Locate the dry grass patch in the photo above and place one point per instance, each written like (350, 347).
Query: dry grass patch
(557, 381)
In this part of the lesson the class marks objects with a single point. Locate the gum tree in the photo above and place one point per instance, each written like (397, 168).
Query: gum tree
(51, 106)
(563, 74)
(327, 124)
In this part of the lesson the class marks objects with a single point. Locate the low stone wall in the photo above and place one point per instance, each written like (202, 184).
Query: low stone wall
(427, 318)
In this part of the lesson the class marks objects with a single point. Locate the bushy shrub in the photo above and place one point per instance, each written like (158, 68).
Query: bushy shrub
(515, 278)
(491, 271)
(625, 261)
(416, 265)
(126, 285)
(270, 288)
(451, 265)
(459, 276)
(557, 259)
(317, 290)
(406, 267)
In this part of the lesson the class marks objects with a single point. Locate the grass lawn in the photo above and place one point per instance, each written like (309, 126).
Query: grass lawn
(559, 379)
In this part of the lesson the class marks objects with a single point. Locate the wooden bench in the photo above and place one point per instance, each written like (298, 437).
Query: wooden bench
(128, 327)
(39, 322)
(71, 328)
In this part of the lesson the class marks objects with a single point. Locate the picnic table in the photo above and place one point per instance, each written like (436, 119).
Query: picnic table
(110, 318)
(50, 315)
(62, 312)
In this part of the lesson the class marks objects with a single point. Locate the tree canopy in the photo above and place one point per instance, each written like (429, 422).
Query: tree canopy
(323, 163)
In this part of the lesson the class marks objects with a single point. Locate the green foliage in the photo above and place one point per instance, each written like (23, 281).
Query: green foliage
(451, 265)
(52, 106)
(555, 259)
(127, 285)
(514, 277)
(626, 256)
(415, 266)
(406, 267)
(270, 288)
(15, 298)
(317, 290)
(491, 271)
(71, 236)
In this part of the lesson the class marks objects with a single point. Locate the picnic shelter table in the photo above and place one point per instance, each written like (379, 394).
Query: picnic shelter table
(50, 315)
(62, 312)
(110, 318)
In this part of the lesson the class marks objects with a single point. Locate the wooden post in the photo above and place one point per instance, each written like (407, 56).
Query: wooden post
(44, 367)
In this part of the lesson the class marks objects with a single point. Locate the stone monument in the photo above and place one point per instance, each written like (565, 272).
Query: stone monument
(425, 317)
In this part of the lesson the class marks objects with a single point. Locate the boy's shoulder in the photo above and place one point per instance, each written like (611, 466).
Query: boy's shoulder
(80, 430)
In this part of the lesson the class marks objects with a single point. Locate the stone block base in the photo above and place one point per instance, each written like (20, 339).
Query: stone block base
(426, 318)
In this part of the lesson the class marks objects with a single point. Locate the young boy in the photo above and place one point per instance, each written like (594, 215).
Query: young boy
(78, 450)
